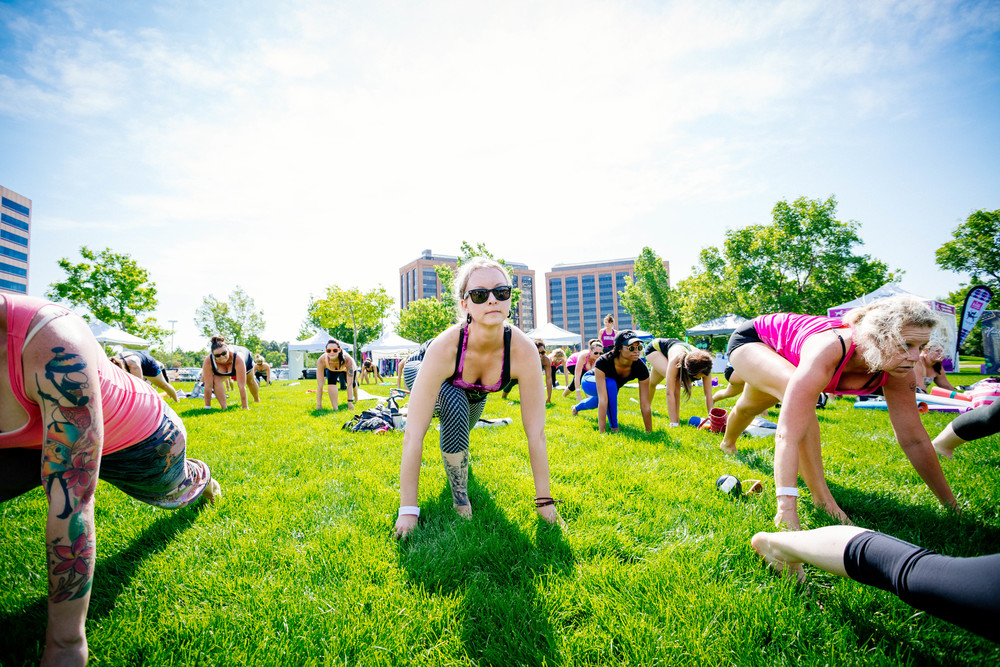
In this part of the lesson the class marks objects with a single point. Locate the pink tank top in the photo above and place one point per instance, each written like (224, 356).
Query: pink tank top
(785, 333)
(132, 409)
(608, 339)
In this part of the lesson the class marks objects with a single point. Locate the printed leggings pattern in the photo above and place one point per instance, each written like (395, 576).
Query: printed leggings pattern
(457, 411)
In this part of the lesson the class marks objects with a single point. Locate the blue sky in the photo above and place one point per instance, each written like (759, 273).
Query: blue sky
(242, 143)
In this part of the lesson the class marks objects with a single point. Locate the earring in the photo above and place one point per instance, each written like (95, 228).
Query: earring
(468, 318)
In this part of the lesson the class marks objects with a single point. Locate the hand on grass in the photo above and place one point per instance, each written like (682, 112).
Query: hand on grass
(404, 525)
(550, 514)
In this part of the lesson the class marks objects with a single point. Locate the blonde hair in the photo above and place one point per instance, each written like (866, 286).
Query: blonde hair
(878, 327)
(462, 280)
(557, 355)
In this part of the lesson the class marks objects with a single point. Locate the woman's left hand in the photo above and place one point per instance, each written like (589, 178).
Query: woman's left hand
(550, 514)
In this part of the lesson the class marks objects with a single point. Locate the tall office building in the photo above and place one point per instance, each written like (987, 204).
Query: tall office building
(15, 236)
(581, 295)
(418, 280)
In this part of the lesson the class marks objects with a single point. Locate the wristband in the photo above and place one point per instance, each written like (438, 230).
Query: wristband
(409, 509)
(787, 491)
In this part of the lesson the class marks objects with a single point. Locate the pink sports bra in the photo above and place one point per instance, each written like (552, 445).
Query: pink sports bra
(785, 333)
(463, 343)
(132, 409)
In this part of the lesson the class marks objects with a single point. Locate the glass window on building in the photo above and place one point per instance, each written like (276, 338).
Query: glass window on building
(14, 287)
(13, 270)
(13, 238)
(14, 222)
(14, 206)
(430, 284)
(573, 304)
(624, 318)
(606, 285)
(10, 252)
(589, 298)
(527, 303)
(556, 299)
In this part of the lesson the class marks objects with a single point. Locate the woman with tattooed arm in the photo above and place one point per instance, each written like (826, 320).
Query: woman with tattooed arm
(453, 373)
(68, 412)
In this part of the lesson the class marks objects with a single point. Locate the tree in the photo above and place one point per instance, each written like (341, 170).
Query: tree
(423, 319)
(360, 312)
(975, 249)
(802, 262)
(650, 300)
(114, 288)
(238, 319)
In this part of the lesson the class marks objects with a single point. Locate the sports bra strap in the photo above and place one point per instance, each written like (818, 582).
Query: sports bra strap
(505, 374)
(45, 320)
(459, 356)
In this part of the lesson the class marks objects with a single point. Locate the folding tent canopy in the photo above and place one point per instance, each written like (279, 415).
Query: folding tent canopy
(316, 343)
(553, 335)
(945, 311)
(391, 346)
(720, 326)
(109, 335)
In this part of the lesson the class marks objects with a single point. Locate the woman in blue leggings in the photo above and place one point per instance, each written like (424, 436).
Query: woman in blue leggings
(611, 372)
(963, 591)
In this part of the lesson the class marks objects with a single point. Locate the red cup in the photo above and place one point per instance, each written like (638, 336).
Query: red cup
(717, 417)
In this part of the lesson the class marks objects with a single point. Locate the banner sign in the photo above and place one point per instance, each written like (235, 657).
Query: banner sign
(975, 303)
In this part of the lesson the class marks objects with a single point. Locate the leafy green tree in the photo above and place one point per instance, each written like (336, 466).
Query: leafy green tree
(237, 319)
(975, 249)
(423, 319)
(361, 313)
(114, 288)
(179, 358)
(804, 262)
(446, 274)
(650, 300)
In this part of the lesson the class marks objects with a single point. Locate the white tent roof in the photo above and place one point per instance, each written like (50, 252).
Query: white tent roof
(720, 326)
(317, 343)
(390, 344)
(553, 335)
(109, 335)
(884, 292)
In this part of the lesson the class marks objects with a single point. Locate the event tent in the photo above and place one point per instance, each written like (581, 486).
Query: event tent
(945, 310)
(553, 335)
(109, 335)
(316, 343)
(720, 326)
(390, 345)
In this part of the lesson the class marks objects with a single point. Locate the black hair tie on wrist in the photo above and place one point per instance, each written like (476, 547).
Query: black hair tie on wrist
(545, 502)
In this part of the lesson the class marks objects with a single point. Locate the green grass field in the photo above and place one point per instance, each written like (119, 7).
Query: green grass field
(296, 566)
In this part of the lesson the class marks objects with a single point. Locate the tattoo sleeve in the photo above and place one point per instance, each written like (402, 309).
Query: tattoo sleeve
(70, 459)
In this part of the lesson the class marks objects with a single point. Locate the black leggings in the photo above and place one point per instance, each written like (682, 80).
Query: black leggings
(963, 591)
(978, 423)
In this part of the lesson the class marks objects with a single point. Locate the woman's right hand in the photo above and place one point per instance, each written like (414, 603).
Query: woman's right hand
(404, 524)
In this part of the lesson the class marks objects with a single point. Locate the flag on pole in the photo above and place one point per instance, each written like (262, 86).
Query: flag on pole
(975, 303)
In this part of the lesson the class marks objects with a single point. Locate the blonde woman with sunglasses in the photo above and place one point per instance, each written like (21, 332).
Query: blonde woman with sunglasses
(335, 367)
(454, 373)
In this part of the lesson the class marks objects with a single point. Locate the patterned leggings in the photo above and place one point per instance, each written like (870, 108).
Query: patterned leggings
(457, 410)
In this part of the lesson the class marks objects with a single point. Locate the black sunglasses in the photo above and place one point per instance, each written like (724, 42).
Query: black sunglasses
(502, 293)
(219, 355)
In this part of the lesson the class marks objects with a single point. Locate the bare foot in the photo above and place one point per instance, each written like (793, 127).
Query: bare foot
(464, 511)
(945, 452)
(766, 545)
(212, 491)
(573, 411)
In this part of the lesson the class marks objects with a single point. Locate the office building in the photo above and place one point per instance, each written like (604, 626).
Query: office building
(418, 280)
(15, 239)
(581, 295)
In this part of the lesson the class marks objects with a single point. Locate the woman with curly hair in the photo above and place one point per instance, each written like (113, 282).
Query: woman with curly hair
(791, 359)
(680, 365)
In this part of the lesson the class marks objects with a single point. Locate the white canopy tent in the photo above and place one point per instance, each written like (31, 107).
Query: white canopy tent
(109, 335)
(316, 343)
(390, 346)
(944, 310)
(720, 326)
(553, 335)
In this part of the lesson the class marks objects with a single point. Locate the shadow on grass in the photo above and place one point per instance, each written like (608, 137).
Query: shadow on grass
(24, 630)
(494, 567)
